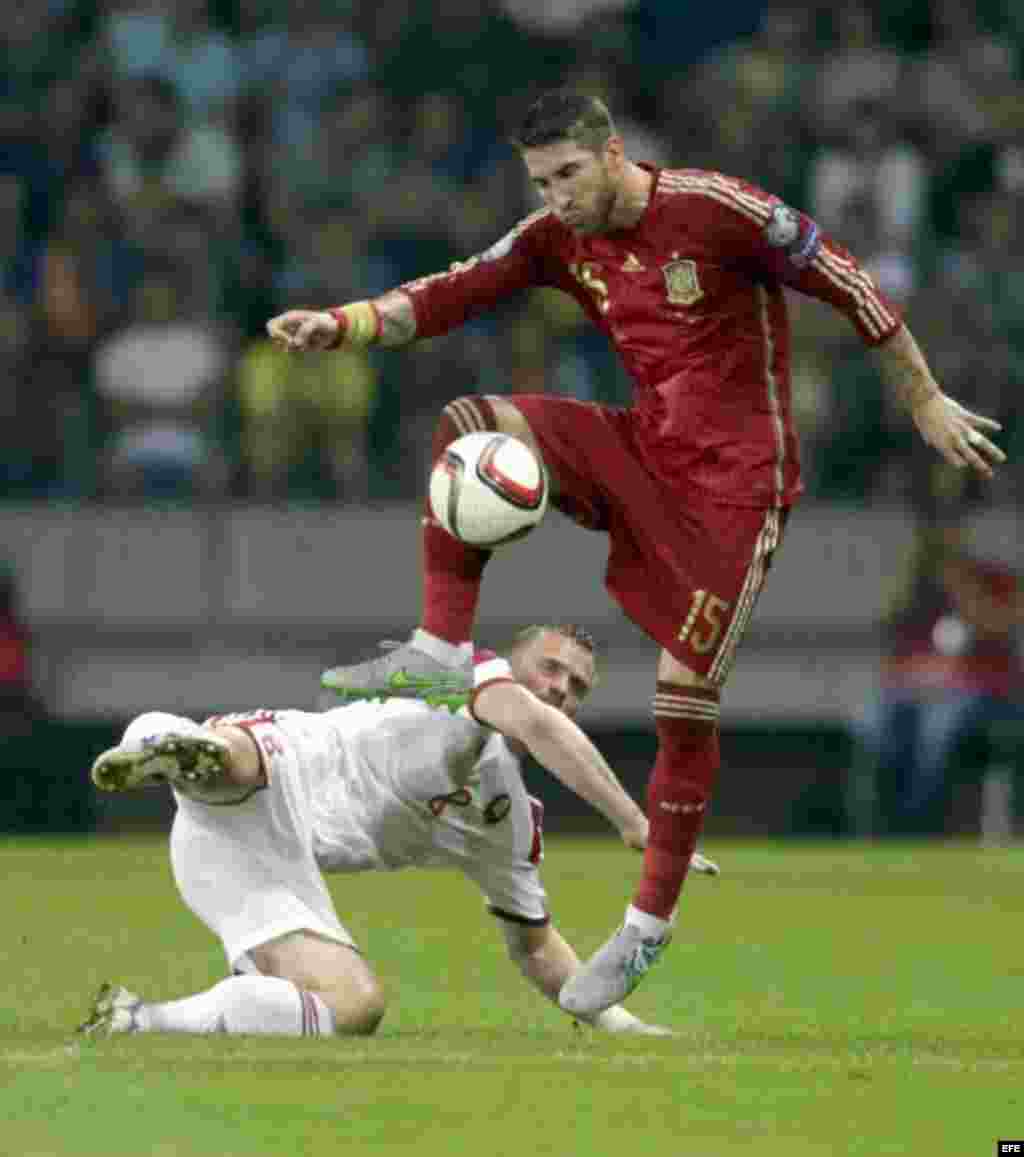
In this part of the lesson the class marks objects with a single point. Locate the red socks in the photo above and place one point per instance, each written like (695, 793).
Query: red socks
(679, 791)
(452, 570)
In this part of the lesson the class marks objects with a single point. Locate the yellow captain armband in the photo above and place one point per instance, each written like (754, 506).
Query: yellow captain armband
(359, 321)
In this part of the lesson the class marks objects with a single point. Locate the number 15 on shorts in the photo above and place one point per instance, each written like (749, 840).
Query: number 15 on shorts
(703, 626)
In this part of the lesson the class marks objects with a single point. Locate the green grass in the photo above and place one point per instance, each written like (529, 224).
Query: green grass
(831, 999)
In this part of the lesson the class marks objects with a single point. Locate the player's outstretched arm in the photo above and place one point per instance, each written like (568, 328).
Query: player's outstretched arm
(388, 320)
(951, 429)
(547, 961)
(557, 744)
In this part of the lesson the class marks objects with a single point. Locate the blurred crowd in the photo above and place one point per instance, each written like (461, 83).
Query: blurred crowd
(175, 172)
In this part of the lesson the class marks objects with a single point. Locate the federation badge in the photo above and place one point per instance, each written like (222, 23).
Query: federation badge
(681, 283)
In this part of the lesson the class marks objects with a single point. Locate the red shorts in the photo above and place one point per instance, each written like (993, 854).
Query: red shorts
(685, 568)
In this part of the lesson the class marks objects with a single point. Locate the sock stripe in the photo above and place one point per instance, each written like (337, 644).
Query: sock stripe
(467, 415)
(699, 712)
(310, 1016)
(697, 703)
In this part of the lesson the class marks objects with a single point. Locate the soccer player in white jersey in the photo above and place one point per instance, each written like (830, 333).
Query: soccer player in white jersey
(268, 801)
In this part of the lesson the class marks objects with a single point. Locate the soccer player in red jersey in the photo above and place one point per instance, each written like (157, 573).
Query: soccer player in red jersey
(684, 270)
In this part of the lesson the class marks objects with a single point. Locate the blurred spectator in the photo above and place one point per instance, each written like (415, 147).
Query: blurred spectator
(476, 53)
(88, 272)
(73, 109)
(741, 109)
(965, 89)
(557, 17)
(174, 39)
(24, 416)
(869, 188)
(304, 422)
(856, 69)
(150, 155)
(296, 58)
(952, 670)
(17, 252)
(162, 376)
(19, 703)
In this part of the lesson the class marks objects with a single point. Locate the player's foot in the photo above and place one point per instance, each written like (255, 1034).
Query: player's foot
(114, 1010)
(403, 671)
(703, 865)
(160, 748)
(612, 973)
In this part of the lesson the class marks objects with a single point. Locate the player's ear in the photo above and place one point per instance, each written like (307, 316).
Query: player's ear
(614, 154)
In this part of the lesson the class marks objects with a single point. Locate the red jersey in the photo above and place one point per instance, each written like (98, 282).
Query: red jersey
(692, 299)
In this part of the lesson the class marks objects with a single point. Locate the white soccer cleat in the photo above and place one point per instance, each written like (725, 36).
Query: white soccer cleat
(115, 1010)
(612, 973)
(702, 864)
(161, 748)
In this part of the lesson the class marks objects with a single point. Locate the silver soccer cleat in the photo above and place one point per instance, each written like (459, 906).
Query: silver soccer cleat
(115, 1010)
(403, 671)
(612, 973)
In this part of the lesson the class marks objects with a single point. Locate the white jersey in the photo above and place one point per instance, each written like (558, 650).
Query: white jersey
(367, 786)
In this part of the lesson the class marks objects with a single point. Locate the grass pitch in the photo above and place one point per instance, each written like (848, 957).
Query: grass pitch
(831, 999)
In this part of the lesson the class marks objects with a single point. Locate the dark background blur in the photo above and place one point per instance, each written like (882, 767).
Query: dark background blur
(193, 521)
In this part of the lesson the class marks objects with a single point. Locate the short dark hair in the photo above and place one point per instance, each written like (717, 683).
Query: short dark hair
(571, 631)
(565, 115)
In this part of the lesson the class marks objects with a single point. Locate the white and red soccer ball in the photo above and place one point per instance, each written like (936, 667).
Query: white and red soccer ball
(488, 488)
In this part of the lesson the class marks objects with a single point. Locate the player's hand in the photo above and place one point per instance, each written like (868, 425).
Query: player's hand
(956, 433)
(304, 329)
(634, 834)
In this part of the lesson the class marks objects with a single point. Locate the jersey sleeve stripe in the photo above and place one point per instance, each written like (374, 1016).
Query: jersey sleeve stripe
(722, 190)
(856, 273)
(868, 313)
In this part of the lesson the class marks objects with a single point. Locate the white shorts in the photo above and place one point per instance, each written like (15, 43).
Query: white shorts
(253, 872)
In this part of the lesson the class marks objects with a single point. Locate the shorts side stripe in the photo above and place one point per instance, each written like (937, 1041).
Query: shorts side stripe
(766, 542)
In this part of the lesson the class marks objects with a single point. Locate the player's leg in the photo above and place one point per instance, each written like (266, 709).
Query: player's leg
(203, 762)
(249, 873)
(546, 961)
(306, 985)
(686, 712)
(437, 660)
(699, 648)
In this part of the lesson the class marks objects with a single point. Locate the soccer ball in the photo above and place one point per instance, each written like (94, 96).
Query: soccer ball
(488, 488)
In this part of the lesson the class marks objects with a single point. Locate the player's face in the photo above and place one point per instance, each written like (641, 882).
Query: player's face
(580, 187)
(557, 670)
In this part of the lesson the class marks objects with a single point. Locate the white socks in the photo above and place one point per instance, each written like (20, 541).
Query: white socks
(250, 1005)
(650, 927)
(451, 654)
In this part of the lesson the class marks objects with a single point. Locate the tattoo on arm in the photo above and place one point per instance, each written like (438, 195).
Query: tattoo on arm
(397, 318)
(906, 371)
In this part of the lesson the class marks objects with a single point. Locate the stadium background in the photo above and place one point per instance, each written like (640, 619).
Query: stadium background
(191, 521)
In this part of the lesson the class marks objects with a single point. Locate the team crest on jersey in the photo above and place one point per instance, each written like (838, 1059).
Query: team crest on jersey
(681, 282)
